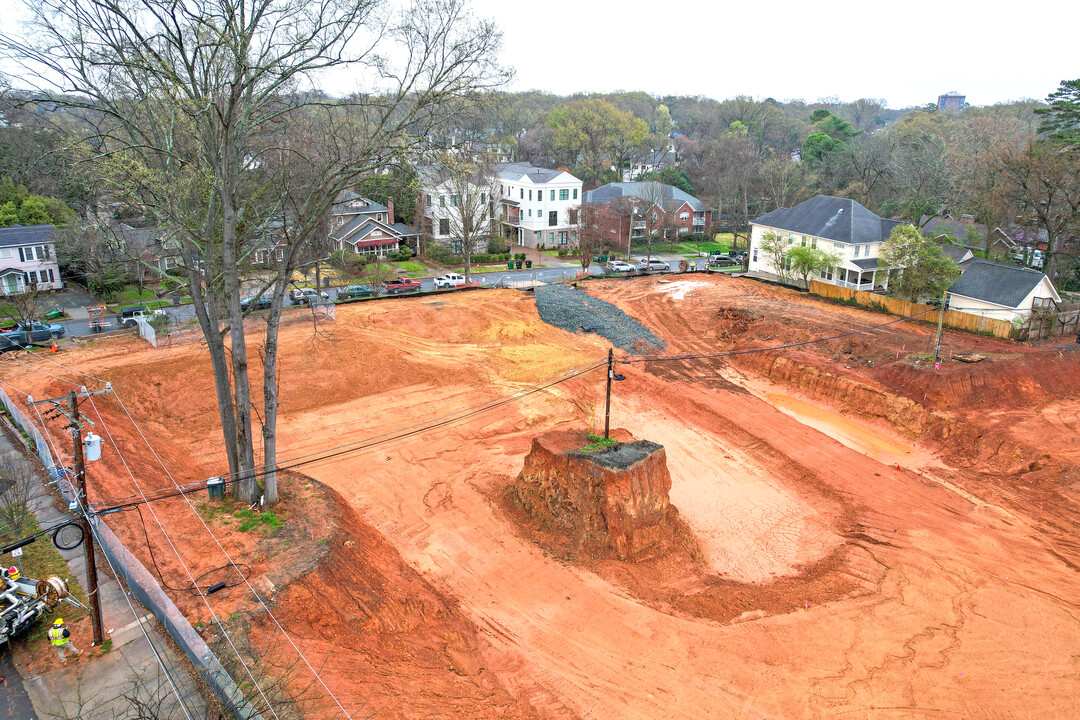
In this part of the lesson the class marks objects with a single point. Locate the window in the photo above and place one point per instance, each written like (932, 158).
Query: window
(427, 200)
(52, 278)
(455, 247)
(522, 190)
(813, 242)
(551, 237)
(530, 212)
(170, 263)
(31, 278)
(564, 194)
(483, 198)
(530, 195)
(575, 193)
(444, 226)
(562, 237)
(553, 218)
(455, 200)
(539, 234)
(802, 241)
(573, 217)
(442, 201)
(684, 215)
(552, 194)
(755, 254)
(6, 252)
(857, 251)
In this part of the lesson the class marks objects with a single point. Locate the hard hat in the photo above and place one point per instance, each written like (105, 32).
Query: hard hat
(58, 621)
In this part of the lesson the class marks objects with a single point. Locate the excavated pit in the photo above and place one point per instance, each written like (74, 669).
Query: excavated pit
(608, 501)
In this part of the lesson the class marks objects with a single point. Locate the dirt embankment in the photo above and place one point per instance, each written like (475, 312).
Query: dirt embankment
(377, 632)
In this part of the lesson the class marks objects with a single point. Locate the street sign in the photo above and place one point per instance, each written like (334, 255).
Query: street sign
(17, 552)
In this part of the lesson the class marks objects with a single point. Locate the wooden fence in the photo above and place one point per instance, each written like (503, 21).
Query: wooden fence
(1065, 320)
(906, 308)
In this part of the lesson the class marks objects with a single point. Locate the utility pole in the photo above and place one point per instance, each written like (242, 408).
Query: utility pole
(940, 326)
(76, 423)
(91, 566)
(607, 404)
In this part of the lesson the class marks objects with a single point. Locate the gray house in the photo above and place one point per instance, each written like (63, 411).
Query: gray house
(28, 258)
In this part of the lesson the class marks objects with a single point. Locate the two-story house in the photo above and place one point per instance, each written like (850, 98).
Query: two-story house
(538, 206)
(450, 203)
(28, 258)
(837, 225)
(651, 206)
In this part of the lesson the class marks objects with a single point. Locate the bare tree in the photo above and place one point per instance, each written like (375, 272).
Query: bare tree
(470, 185)
(593, 219)
(27, 306)
(20, 486)
(189, 102)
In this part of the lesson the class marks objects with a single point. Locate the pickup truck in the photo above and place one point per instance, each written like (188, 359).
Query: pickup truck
(396, 286)
(449, 280)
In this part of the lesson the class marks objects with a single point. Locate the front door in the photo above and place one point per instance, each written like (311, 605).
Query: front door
(12, 284)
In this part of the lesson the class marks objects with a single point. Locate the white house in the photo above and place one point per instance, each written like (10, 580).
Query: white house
(1002, 292)
(837, 225)
(538, 206)
(28, 257)
(443, 199)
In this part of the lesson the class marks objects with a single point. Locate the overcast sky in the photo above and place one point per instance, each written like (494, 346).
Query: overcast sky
(907, 53)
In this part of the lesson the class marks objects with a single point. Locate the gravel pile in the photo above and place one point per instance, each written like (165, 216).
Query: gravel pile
(573, 310)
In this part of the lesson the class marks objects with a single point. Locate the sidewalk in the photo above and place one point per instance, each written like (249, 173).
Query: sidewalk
(88, 688)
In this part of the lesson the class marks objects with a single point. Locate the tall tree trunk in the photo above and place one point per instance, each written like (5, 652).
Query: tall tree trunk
(248, 486)
(270, 396)
(206, 313)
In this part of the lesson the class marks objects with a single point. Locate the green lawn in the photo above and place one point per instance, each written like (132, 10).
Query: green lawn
(411, 266)
(130, 296)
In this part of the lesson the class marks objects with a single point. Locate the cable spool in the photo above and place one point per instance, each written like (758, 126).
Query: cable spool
(52, 591)
(684, 266)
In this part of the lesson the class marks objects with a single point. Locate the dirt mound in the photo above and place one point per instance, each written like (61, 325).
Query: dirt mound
(612, 499)
(378, 632)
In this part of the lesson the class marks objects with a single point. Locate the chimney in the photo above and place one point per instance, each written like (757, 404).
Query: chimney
(390, 205)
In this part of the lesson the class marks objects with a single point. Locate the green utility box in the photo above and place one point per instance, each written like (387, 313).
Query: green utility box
(216, 487)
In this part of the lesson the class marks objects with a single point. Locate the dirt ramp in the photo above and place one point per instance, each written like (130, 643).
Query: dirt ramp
(601, 499)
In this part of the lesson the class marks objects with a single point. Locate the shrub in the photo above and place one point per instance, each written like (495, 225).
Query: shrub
(498, 245)
(519, 256)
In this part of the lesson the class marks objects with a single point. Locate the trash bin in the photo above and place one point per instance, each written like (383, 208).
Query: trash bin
(528, 263)
(216, 487)
(510, 265)
(518, 264)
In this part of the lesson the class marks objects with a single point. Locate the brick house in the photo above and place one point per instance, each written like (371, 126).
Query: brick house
(640, 207)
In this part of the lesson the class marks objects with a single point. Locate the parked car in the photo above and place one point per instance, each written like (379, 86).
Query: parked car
(720, 262)
(620, 266)
(262, 303)
(37, 332)
(129, 316)
(449, 280)
(396, 286)
(653, 264)
(303, 296)
(355, 291)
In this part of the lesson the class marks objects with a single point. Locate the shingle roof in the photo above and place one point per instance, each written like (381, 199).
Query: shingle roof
(10, 271)
(404, 230)
(672, 196)
(518, 170)
(26, 235)
(997, 283)
(346, 197)
(866, 263)
(956, 254)
(837, 219)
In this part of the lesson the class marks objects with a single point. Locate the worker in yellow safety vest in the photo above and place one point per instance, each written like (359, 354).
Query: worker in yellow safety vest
(60, 637)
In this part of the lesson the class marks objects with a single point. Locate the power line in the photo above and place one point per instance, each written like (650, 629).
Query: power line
(187, 570)
(231, 561)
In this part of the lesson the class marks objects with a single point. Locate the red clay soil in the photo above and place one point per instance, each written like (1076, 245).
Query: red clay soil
(877, 538)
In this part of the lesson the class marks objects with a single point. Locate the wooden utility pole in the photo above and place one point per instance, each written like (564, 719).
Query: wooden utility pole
(940, 327)
(607, 404)
(88, 535)
(76, 424)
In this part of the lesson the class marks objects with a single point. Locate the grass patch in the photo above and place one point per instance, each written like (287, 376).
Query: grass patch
(131, 295)
(598, 443)
(229, 512)
(410, 266)
(106, 647)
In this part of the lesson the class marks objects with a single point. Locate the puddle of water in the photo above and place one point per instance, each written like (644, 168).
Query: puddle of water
(849, 432)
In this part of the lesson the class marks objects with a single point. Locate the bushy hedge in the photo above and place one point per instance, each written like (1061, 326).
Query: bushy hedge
(441, 254)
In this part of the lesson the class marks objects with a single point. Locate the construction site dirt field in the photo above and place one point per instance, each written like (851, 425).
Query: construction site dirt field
(875, 537)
